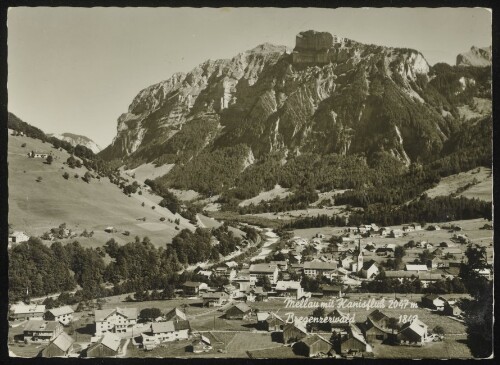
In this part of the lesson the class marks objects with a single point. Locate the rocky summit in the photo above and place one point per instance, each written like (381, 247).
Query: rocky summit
(478, 57)
(330, 95)
(76, 139)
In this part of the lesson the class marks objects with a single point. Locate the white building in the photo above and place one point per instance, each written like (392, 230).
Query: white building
(18, 237)
(260, 270)
(117, 320)
(64, 314)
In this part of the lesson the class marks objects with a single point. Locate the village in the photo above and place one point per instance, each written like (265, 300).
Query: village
(331, 267)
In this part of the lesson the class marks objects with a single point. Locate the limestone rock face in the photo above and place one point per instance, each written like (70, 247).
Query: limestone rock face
(76, 139)
(331, 95)
(477, 57)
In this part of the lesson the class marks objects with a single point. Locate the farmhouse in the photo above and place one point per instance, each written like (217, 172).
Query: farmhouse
(175, 315)
(331, 290)
(313, 346)
(238, 311)
(216, 299)
(433, 301)
(23, 311)
(270, 322)
(413, 333)
(64, 314)
(224, 271)
(451, 310)
(289, 289)
(41, 331)
(395, 233)
(18, 237)
(315, 268)
(293, 332)
(194, 287)
(424, 277)
(117, 320)
(261, 270)
(110, 229)
(170, 331)
(376, 327)
(107, 346)
(353, 342)
(340, 319)
(61, 346)
(201, 344)
(36, 154)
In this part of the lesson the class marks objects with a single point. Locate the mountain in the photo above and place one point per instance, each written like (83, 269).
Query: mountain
(331, 95)
(477, 57)
(76, 139)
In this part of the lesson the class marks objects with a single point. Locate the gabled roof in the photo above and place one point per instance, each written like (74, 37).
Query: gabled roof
(318, 265)
(356, 333)
(63, 341)
(262, 316)
(32, 308)
(310, 340)
(182, 325)
(377, 316)
(176, 312)
(102, 314)
(300, 326)
(192, 284)
(39, 325)
(111, 341)
(205, 339)
(162, 327)
(61, 311)
(368, 264)
(415, 267)
(416, 326)
(264, 268)
(242, 307)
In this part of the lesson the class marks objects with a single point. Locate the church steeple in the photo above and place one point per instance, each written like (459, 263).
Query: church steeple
(360, 256)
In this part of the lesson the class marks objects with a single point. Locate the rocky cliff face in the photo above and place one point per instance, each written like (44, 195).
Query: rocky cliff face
(331, 95)
(75, 139)
(477, 57)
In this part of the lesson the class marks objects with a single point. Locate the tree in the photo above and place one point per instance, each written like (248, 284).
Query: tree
(264, 282)
(87, 177)
(393, 323)
(168, 292)
(66, 175)
(438, 330)
(50, 159)
(399, 252)
(149, 314)
(425, 256)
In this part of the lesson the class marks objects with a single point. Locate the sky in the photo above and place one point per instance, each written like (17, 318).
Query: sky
(78, 69)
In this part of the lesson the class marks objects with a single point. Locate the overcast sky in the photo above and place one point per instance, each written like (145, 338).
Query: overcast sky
(76, 70)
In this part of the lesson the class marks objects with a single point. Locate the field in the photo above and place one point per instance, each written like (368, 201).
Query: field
(35, 207)
(276, 192)
(148, 171)
(450, 184)
(450, 348)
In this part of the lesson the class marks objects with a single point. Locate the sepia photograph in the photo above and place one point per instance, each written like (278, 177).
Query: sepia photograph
(250, 183)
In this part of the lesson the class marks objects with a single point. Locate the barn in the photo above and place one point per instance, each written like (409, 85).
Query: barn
(59, 347)
(238, 311)
(313, 346)
(107, 346)
(353, 342)
(293, 332)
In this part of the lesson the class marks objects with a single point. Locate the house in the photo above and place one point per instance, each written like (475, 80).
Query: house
(110, 229)
(170, 330)
(149, 341)
(270, 322)
(313, 346)
(176, 315)
(238, 311)
(18, 237)
(369, 270)
(433, 301)
(346, 262)
(260, 270)
(41, 331)
(315, 268)
(257, 294)
(194, 287)
(375, 328)
(289, 289)
(408, 229)
(331, 290)
(413, 333)
(437, 263)
(107, 346)
(433, 227)
(296, 268)
(35, 154)
(116, 320)
(451, 310)
(384, 231)
(353, 342)
(62, 314)
(60, 346)
(224, 271)
(201, 344)
(293, 332)
(216, 299)
(282, 265)
(25, 312)
(416, 268)
(425, 277)
(206, 273)
(416, 226)
(231, 264)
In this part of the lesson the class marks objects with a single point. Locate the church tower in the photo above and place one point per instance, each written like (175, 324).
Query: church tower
(360, 257)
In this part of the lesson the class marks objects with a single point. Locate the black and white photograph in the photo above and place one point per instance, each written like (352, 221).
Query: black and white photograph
(250, 183)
